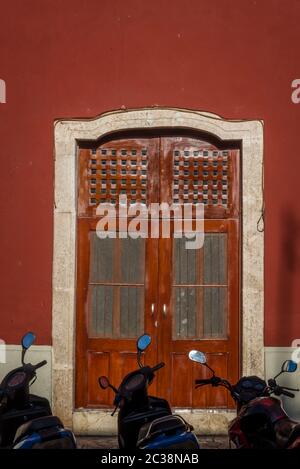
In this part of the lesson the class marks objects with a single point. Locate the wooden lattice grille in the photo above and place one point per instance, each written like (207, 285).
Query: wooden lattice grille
(179, 171)
(203, 173)
(201, 177)
(112, 170)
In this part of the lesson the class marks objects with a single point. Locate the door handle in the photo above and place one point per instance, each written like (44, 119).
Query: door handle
(152, 309)
(165, 310)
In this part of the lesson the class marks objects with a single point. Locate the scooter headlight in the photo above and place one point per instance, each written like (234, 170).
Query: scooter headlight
(134, 382)
(16, 380)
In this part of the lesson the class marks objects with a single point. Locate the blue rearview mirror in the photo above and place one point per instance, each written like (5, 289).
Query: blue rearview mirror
(27, 340)
(289, 366)
(143, 342)
(197, 356)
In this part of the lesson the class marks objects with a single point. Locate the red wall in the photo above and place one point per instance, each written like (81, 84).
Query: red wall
(76, 58)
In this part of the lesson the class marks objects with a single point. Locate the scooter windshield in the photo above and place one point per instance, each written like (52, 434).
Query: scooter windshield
(133, 382)
(16, 379)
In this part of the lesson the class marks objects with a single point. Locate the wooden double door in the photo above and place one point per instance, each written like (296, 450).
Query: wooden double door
(184, 298)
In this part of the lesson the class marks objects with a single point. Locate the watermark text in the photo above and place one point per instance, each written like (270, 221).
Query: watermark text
(2, 91)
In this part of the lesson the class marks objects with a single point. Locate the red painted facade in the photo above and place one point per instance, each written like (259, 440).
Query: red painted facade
(64, 59)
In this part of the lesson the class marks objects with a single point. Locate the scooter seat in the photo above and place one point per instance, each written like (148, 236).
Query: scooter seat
(168, 425)
(286, 432)
(37, 425)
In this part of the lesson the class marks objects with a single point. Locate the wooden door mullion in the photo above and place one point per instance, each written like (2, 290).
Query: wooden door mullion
(200, 292)
(116, 289)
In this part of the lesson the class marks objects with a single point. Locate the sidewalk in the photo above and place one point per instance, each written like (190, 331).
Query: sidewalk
(110, 442)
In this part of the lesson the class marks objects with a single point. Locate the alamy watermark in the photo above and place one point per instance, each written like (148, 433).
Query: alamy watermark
(296, 353)
(2, 91)
(2, 351)
(295, 97)
(140, 221)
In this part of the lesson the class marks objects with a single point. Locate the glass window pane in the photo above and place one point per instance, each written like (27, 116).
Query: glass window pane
(215, 313)
(101, 311)
(215, 258)
(185, 263)
(131, 311)
(116, 311)
(199, 312)
(185, 313)
(117, 260)
(102, 258)
(205, 266)
(132, 260)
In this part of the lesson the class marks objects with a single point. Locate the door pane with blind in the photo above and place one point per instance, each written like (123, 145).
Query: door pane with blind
(116, 287)
(200, 289)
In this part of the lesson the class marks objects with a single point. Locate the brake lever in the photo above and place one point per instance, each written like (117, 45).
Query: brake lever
(117, 401)
(34, 380)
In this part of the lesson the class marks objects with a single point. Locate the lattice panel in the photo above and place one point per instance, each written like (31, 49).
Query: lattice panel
(172, 170)
(201, 176)
(114, 172)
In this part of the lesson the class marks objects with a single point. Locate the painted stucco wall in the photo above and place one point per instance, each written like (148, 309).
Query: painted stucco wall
(64, 59)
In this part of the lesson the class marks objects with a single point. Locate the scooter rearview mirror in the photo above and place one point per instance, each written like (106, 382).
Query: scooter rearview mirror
(143, 342)
(197, 356)
(27, 340)
(289, 366)
(103, 382)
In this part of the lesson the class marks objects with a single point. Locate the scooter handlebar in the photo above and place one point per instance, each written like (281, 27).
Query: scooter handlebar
(40, 364)
(203, 381)
(157, 367)
(287, 393)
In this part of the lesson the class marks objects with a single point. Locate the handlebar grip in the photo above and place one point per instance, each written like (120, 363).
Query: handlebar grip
(203, 381)
(40, 364)
(157, 367)
(287, 393)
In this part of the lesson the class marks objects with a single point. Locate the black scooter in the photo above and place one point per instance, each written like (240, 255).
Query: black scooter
(26, 420)
(146, 422)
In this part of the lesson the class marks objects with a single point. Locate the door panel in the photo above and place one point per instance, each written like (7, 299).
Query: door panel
(96, 361)
(112, 311)
(184, 373)
(199, 289)
(185, 299)
(116, 281)
(198, 318)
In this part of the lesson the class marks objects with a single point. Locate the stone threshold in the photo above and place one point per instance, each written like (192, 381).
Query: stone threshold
(100, 422)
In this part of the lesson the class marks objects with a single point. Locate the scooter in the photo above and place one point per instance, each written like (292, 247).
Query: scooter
(26, 420)
(261, 421)
(146, 422)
